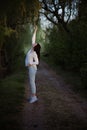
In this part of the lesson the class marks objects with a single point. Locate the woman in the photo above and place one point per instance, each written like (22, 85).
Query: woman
(32, 61)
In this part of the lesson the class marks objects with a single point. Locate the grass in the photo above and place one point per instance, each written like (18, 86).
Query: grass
(11, 97)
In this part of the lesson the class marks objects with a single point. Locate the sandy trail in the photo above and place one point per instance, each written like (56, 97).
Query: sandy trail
(33, 115)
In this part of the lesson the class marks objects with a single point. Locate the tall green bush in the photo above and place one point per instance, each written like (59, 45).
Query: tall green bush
(69, 50)
(79, 40)
(16, 45)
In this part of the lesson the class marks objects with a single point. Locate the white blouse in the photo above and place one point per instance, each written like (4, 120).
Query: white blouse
(32, 59)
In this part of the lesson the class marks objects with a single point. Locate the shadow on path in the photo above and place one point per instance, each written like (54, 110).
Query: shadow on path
(57, 105)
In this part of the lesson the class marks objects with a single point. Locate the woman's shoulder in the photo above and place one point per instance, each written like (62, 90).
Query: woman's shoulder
(34, 53)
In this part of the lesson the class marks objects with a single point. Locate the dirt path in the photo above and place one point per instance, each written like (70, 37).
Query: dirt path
(58, 108)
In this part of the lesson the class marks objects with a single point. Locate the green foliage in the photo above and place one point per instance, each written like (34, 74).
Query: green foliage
(25, 37)
(13, 14)
(57, 46)
(69, 51)
(13, 50)
(79, 46)
(16, 45)
(11, 98)
(83, 10)
(83, 71)
(2, 33)
(40, 37)
(18, 12)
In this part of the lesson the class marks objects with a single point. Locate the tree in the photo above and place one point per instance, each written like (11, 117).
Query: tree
(60, 11)
(18, 12)
(83, 10)
(12, 14)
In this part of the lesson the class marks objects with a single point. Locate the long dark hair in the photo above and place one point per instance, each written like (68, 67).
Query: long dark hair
(37, 50)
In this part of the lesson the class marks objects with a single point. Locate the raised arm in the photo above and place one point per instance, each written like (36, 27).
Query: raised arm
(34, 36)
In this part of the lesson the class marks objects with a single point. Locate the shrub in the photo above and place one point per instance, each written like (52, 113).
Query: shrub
(83, 72)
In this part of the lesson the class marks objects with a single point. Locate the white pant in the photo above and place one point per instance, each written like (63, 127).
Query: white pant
(32, 75)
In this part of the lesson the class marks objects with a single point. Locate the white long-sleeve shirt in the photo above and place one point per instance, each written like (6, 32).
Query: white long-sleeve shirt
(34, 37)
(31, 59)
